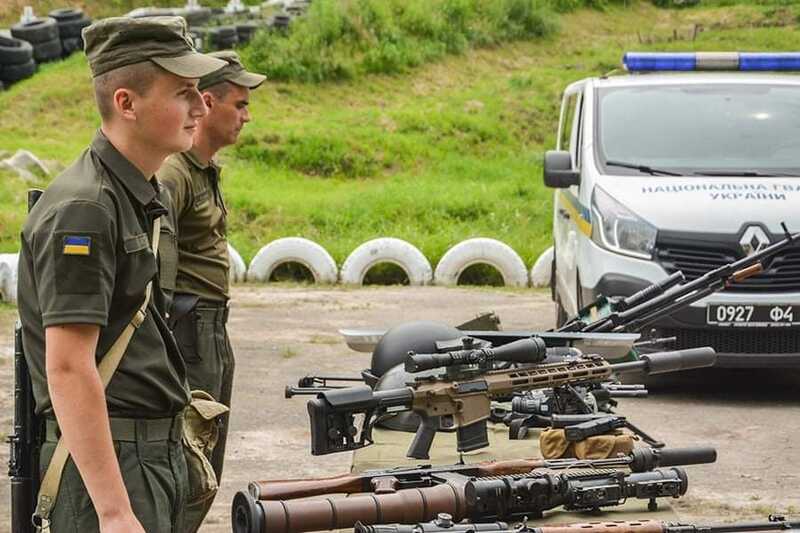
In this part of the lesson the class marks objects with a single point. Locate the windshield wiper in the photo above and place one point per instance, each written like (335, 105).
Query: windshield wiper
(641, 168)
(742, 173)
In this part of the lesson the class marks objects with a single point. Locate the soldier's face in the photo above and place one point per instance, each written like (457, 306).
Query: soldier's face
(228, 115)
(169, 114)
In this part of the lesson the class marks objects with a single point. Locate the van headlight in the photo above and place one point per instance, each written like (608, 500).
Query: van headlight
(617, 228)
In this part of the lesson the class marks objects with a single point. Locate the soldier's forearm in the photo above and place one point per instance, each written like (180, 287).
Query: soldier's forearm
(79, 403)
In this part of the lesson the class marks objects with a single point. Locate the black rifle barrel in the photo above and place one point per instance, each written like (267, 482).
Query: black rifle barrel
(651, 291)
(673, 361)
(528, 350)
(683, 295)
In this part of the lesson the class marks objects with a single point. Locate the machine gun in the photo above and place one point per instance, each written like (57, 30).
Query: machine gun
(662, 299)
(24, 443)
(394, 479)
(465, 405)
(445, 523)
(480, 499)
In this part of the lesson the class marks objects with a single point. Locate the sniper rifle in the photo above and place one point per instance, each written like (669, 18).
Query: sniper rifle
(465, 405)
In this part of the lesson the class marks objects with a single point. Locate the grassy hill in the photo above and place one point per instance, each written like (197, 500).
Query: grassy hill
(446, 151)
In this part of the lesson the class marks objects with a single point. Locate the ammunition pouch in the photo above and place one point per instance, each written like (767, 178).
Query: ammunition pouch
(200, 434)
(553, 444)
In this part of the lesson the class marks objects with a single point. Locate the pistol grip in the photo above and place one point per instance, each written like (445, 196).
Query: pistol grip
(423, 439)
(472, 437)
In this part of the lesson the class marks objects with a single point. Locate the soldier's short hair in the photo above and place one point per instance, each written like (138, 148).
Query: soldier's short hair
(219, 90)
(138, 77)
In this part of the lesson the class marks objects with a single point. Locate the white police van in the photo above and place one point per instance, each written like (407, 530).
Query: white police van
(687, 162)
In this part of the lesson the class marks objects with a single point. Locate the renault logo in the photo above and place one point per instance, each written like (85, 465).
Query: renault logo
(753, 240)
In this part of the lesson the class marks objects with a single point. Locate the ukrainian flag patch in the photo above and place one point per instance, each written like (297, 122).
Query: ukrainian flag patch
(77, 245)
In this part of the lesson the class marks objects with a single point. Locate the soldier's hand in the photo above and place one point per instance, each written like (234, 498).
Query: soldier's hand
(121, 523)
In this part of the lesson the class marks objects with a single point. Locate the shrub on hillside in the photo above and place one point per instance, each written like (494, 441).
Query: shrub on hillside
(340, 39)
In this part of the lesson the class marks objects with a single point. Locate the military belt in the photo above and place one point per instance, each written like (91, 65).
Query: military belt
(131, 429)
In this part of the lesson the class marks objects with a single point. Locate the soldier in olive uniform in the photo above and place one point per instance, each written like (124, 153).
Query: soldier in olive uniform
(85, 264)
(200, 305)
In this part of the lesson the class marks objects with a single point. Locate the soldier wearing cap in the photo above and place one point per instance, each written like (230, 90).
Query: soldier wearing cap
(86, 271)
(200, 305)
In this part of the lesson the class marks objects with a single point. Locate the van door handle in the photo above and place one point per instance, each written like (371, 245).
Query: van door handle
(563, 213)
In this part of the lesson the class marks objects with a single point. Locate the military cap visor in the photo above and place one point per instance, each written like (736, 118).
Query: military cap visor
(117, 42)
(233, 72)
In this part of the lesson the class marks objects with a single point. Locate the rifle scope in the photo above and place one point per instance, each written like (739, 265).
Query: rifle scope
(528, 350)
(511, 496)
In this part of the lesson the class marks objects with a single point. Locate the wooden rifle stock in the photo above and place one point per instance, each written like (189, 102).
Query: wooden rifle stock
(743, 274)
(384, 482)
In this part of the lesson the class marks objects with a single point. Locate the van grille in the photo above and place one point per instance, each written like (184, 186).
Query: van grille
(755, 341)
(781, 275)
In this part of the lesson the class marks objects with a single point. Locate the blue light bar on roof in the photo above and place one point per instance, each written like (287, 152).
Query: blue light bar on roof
(683, 61)
(776, 61)
(644, 61)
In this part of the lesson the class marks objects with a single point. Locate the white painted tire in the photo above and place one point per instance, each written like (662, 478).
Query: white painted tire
(542, 269)
(237, 270)
(481, 251)
(387, 250)
(293, 250)
(8, 277)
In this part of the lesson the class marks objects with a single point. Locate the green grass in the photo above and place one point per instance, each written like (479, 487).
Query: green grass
(447, 151)
(343, 39)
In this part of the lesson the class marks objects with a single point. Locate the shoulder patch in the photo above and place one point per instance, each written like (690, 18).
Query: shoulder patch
(77, 245)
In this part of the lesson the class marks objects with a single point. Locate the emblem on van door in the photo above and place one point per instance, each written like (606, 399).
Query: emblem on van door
(754, 239)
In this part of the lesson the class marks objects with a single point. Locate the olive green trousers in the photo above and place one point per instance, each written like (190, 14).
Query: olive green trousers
(206, 348)
(153, 470)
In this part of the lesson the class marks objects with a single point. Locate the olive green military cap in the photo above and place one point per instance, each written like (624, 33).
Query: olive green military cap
(121, 41)
(233, 71)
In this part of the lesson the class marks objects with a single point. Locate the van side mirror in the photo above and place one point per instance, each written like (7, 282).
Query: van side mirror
(558, 171)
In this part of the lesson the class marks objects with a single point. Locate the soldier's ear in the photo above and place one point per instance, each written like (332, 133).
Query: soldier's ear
(208, 99)
(123, 103)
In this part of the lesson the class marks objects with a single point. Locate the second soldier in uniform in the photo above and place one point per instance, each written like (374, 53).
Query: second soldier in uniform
(200, 285)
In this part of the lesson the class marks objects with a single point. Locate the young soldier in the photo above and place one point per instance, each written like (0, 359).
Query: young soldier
(85, 268)
(200, 306)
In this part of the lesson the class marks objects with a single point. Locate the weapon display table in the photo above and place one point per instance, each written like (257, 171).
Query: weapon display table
(390, 449)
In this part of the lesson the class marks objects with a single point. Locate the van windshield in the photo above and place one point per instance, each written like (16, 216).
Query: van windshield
(704, 129)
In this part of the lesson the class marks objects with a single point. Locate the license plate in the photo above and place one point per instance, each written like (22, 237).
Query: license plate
(745, 315)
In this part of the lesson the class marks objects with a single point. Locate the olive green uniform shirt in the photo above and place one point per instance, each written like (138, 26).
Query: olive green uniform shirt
(86, 259)
(201, 226)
